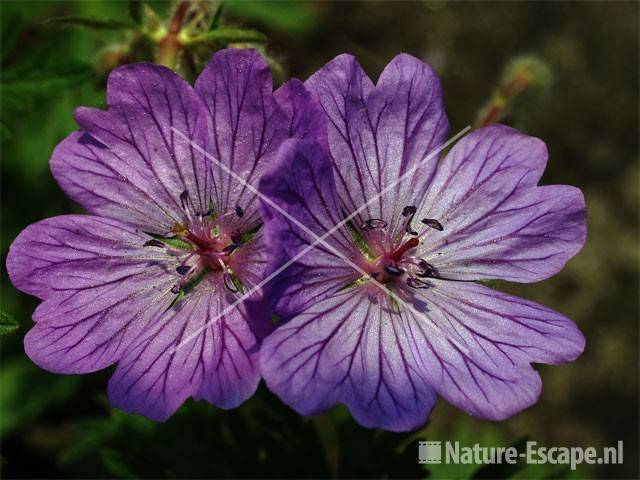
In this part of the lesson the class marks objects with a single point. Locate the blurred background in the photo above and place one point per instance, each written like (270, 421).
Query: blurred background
(565, 72)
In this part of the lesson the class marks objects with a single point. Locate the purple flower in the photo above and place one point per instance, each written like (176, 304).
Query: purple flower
(152, 278)
(384, 314)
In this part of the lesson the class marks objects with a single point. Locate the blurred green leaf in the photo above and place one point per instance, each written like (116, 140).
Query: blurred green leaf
(115, 463)
(135, 10)
(22, 85)
(26, 392)
(288, 16)
(261, 439)
(503, 470)
(12, 24)
(8, 324)
(227, 35)
(89, 22)
(216, 16)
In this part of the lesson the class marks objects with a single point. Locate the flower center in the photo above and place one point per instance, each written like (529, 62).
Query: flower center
(400, 263)
(203, 243)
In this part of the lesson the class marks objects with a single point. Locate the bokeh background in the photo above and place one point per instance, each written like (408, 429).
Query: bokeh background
(584, 105)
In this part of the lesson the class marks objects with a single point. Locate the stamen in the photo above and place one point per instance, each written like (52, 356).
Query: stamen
(239, 211)
(184, 198)
(229, 249)
(183, 269)
(427, 269)
(409, 211)
(203, 214)
(373, 223)
(433, 223)
(228, 282)
(154, 243)
(417, 283)
(176, 288)
(236, 237)
(391, 270)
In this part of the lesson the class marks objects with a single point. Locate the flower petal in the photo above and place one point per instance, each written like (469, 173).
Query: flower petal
(129, 163)
(201, 347)
(246, 125)
(497, 222)
(347, 349)
(302, 186)
(378, 134)
(306, 117)
(100, 287)
(476, 345)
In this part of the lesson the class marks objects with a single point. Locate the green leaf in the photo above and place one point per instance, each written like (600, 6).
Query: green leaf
(21, 86)
(26, 392)
(227, 35)
(11, 28)
(502, 470)
(8, 324)
(135, 11)
(89, 22)
(288, 16)
(216, 16)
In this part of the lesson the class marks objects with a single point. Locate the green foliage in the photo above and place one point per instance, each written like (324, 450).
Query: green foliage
(12, 25)
(26, 392)
(89, 22)
(8, 324)
(261, 439)
(226, 35)
(136, 10)
(289, 16)
(23, 85)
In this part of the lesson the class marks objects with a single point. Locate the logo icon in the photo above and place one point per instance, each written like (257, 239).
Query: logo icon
(429, 452)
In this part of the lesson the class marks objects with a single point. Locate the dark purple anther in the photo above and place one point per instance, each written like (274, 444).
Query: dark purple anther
(184, 197)
(231, 248)
(417, 283)
(427, 269)
(236, 237)
(391, 270)
(239, 211)
(228, 282)
(373, 223)
(183, 269)
(409, 211)
(433, 223)
(154, 243)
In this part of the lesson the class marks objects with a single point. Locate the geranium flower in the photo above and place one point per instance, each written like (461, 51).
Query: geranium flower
(152, 278)
(386, 312)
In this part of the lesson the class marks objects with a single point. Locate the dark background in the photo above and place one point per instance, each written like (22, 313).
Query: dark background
(62, 426)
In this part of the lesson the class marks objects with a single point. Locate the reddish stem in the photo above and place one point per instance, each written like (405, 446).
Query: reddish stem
(170, 45)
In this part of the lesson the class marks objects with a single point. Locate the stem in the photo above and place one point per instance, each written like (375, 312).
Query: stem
(496, 107)
(170, 46)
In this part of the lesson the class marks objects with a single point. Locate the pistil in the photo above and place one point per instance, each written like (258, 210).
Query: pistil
(402, 249)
